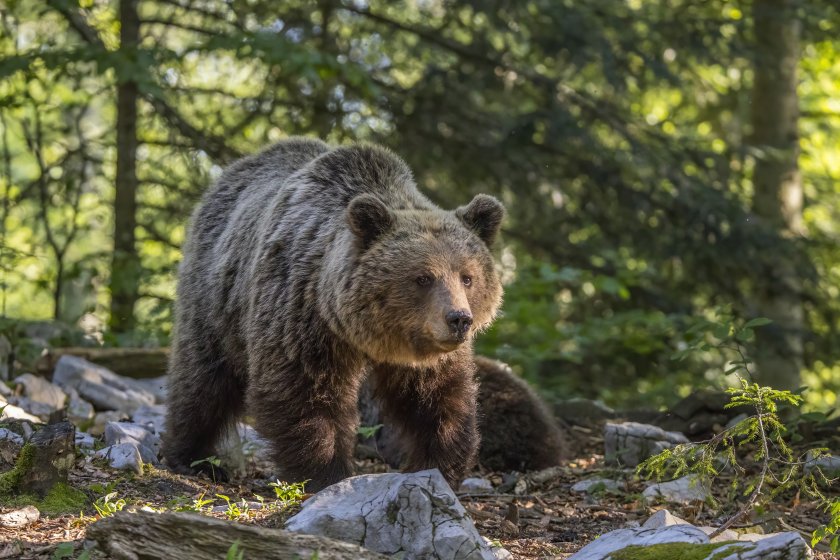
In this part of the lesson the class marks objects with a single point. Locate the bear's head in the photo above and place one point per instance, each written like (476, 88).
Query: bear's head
(424, 281)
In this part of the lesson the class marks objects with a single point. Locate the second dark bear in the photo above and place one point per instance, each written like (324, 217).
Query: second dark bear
(306, 267)
(518, 432)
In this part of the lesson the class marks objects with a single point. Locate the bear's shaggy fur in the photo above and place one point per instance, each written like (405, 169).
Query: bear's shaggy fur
(518, 433)
(307, 267)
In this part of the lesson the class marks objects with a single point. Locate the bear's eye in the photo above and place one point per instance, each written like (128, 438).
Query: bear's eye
(467, 280)
(423, 280)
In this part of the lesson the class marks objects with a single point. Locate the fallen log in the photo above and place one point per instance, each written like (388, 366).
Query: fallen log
(189, 536)
(131, 362)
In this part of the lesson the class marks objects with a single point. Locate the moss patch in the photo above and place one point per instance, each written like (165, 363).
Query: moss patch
(10, 479)
(676, 551)
(61, 499)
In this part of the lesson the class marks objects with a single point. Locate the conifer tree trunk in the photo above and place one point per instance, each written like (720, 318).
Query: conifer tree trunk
(778, 185)
(125, 265)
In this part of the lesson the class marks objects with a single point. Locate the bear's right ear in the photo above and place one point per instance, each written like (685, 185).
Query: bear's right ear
(369, 218)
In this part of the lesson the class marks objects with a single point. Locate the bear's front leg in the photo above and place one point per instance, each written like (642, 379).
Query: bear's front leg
(434, 409)
(310, 421)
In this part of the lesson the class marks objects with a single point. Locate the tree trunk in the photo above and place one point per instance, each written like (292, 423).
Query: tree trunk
(59, 284)
(189, 536)
(125, 266)
(43, 462)
(778, 186)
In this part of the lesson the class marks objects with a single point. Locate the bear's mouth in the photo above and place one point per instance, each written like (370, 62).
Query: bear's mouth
(427, 346)
(450, 345)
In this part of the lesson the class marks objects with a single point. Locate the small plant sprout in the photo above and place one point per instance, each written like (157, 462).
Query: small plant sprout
(197, 505)
(235, 510)
(234, 553)
(759, 438)
(213, 461)
(288, 494)
(109, 504)
(368, 431)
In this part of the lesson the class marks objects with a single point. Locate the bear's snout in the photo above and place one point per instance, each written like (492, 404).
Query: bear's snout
(459, 323)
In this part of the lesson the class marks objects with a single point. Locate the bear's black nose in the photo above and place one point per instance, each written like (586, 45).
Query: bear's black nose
(459, 322)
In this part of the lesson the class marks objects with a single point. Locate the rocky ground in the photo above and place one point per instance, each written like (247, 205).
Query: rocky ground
(553, 513)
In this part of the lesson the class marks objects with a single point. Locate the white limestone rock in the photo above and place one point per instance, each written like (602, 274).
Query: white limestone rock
(595, 485)
(499, 552)
(123, 456)
(13, 412)
(79, 411)
(18, 518)
(681, 491)
(664, 528)
(663, 518)
(828, 464)
(415, 515)
(476, 485)
(102, 387)
(38, 409)
(154, 385)
(603, 546)
(152, 417)
(101, 419)
(629, 443)
(42, 391)
(148, 444)
(781, 546)
(85, 441)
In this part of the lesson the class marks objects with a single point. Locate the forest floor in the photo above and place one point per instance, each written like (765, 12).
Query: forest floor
(547, 520)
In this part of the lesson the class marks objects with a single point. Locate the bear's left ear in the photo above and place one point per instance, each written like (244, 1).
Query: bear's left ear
(368, 218)
(483, 215)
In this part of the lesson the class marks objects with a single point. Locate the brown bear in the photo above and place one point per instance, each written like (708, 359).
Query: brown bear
(307, 267)
(517, 430)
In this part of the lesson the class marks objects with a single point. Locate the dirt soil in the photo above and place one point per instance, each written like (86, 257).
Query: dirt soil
(532, 520)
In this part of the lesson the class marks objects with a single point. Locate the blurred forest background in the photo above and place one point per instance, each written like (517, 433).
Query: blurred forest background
(667, 164)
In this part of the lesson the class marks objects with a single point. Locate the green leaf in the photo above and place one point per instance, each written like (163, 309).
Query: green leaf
(63, 550)
(757, 322)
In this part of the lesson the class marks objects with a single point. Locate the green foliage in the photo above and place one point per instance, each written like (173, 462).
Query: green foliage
(615, 134)
(100, 488)
(832, 528)
(234, 511)
(213, 461)
(109, 504)
(67, 550)
(197, 505)
(288, 494)
(63, 550)
(234, 553)
(368, 431)
(63, 498)
(761, 437)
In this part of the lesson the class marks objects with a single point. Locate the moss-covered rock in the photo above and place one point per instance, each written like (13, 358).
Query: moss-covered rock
(678, 551)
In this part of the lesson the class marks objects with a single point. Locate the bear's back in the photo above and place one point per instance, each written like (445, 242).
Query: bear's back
(247, 186)
(223, 236)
